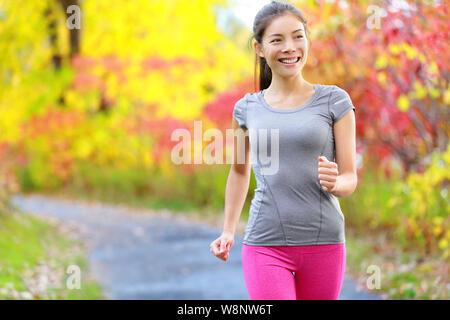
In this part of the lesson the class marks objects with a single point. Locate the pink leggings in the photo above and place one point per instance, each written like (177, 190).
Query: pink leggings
(319, 271)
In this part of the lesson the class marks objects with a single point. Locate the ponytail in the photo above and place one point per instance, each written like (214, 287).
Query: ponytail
(265, 74)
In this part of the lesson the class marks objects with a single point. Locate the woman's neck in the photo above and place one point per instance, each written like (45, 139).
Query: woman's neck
(288, 86)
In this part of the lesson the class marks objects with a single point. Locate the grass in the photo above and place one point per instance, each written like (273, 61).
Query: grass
(34, 260)
(403, 274)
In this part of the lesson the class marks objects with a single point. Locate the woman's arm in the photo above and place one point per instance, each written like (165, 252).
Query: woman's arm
(238, 181)
(345, 144)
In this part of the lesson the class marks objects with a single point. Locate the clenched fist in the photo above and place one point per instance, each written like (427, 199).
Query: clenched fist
(328, 173)
(222, 245)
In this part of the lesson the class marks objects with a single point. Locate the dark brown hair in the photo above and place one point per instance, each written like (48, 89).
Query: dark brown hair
(262, 19)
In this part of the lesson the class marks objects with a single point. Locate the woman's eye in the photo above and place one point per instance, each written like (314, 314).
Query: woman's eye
(300, 36)
(275, 40)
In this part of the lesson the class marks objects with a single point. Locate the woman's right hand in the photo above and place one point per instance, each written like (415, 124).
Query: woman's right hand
(222, 245)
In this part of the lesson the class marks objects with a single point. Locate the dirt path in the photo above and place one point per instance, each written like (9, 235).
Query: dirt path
(143, 254)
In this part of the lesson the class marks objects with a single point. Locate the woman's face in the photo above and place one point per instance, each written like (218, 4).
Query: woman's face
(284, 37)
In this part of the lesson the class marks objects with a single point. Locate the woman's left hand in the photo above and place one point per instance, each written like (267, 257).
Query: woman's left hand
(328, 174)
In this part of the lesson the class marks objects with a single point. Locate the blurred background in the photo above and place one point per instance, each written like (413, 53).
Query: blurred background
(91, 91)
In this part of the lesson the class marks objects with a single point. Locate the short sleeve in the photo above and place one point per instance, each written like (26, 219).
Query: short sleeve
(240, 112)
(340, 103)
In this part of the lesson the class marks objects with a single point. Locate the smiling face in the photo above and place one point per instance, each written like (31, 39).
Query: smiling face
(284, 45)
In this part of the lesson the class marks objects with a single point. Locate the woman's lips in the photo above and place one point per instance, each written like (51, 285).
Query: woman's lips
(289, 64)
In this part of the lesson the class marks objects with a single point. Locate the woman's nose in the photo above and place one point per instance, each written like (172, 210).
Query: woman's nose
(288, 46)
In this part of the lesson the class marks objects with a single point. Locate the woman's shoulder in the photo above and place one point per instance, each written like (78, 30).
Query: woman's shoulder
(252, 95)
(248, 98)
(333, 88)
(328, 88)
(333, 91)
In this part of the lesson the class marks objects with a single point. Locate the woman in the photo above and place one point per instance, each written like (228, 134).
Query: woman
(294, 243)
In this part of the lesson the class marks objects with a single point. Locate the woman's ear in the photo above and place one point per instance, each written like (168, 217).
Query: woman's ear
(258, 49)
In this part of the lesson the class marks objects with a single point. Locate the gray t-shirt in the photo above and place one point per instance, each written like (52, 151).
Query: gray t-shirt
(289, 207)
